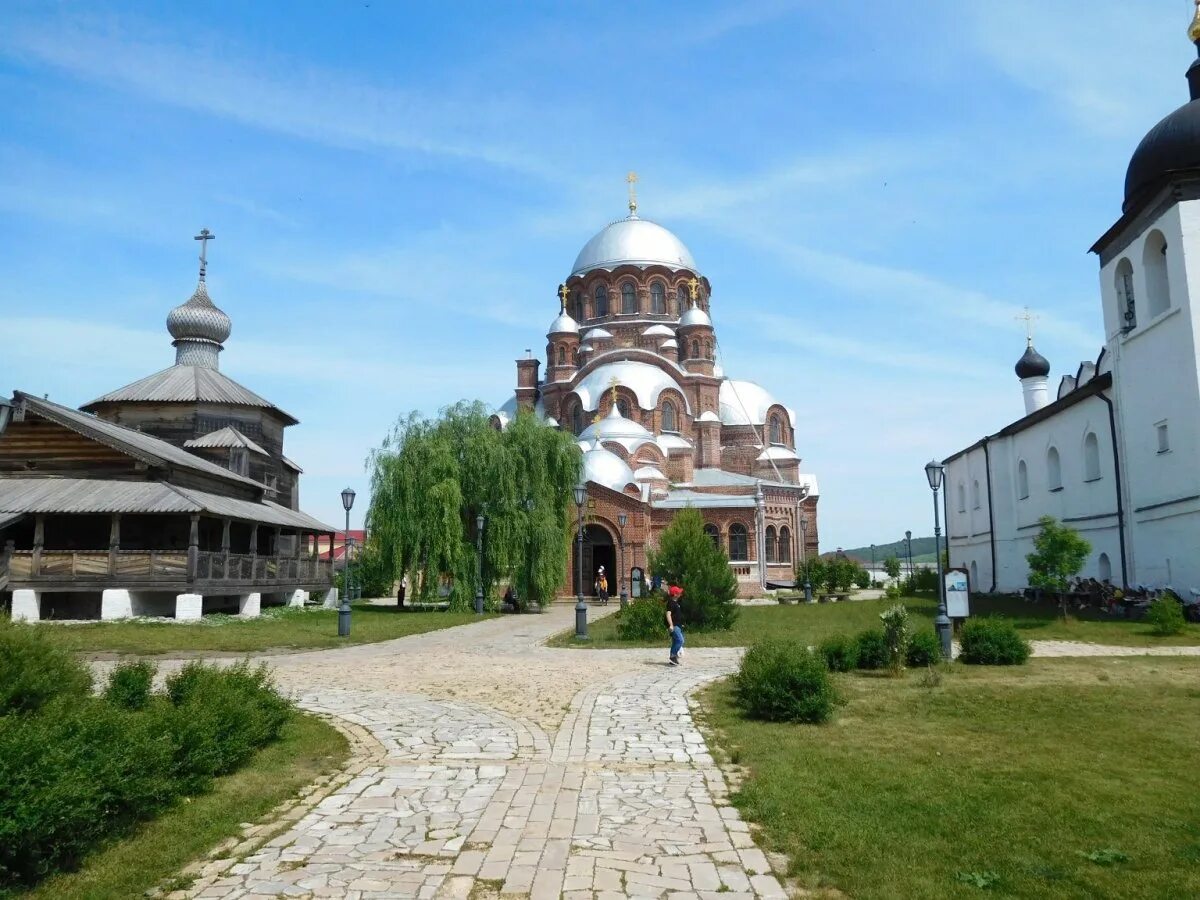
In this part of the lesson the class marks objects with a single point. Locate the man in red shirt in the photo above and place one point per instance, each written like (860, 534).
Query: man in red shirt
(675, 622)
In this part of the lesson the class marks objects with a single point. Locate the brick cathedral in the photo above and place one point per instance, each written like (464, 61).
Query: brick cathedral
(631, 370)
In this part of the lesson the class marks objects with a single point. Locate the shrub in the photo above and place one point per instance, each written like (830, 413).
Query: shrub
(872, 649)
(129, 684)
(1165, 615)
(895, 635)
(33, 671)
(992, 642)
(784, 681)
(862, 579)
(643, 619)
(924, 649)
(686, 556)
(840, 652)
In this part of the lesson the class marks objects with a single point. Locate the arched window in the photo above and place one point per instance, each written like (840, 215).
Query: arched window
(1105, 567)
(669, 421)
(1126, 304)
(575, 355)
(623, 407)
(600, 301)
(681, 300)
(962, 498)
(785, 544)
(975, 501)
(974, 582)
(1091, 457)
(577, 418)
(770, 543)
(708, 350)
(695, 349)
(628, 298)
(738, 542)
(1053, 470)
(714, 535)
(562, 355)
(1022, 480)
(658, 299)
(1154, 264)
(776, 429)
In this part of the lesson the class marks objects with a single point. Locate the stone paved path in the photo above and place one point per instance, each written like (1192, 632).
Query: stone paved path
(497, 767)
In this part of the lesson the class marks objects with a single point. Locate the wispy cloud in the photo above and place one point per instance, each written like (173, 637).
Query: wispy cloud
(702, 28)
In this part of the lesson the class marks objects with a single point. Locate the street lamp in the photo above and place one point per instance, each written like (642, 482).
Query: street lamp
(908, 547)
(622, 521)
(934, 471)
(580, 490)
(344, 608)
(479, 565)
(804, 558)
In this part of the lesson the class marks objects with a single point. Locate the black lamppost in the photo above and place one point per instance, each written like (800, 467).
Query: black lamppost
(934, 471)
(344, 608)
(580, 490)
(908, 547)
(479, 565)
(804, 558)
(622, 521)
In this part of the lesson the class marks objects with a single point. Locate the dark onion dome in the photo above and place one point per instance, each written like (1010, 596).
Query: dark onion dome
(1032, 364)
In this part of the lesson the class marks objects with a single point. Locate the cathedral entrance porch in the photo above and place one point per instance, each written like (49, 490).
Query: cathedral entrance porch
(598, 550)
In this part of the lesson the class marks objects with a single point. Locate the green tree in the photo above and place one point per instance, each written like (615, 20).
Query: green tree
(891, 565)
(811, 570)
(432, 478)
(686, 556)
(1058, 555)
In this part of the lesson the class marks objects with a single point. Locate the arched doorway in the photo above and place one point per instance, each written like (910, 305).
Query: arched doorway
(598, 550)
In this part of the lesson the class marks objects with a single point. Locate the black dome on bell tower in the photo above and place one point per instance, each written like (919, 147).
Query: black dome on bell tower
(1032, 364)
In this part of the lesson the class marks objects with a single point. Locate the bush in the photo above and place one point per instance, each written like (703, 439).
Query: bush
(992, 642)
(840, 652)
(1165, 615)
(872, 649)
(129, 684)
(33, 671)
(924, 649)
(784, 682)
(686, 556)
(643, 619)
(895, 635)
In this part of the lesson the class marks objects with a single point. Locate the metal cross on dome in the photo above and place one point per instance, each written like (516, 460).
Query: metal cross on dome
(632, 178)
(563, 293)
(204, 237)
(1028, 318)
(694, 288)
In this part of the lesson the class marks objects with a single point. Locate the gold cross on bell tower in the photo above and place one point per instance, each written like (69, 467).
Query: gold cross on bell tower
(563, 293)
(632, 178)
(1028, 318)
(694, 289)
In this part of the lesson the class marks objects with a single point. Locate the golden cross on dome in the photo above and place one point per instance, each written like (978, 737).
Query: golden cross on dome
(632, 178)
(563, 293)
(694, 288)
(612, 386)
(1028, 317)
(204, 237)
(1194, 28)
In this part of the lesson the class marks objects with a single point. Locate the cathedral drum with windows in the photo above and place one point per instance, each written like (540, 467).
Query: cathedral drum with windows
(631, 370)
(1113, 452)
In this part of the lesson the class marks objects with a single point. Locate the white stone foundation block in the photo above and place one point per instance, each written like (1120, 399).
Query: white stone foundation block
(249, 605)
(298, 598)
(26, 606)
(189, 607)
(331, 599)
(116, 603)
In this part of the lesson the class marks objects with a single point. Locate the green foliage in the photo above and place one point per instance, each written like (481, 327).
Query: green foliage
(895, 635)
(921, 581)
(432, 478)
(687, 557)
(872, 649)
(840, 652)
(892, 592)
(981, 880)
(992, 642)
(1165, 615)
(862, 579)
(33, 671)
(129, 684)
(924, 649)
(891, 565)
(370, 571)
(1058, 555)
(840, 574)
(784, 681)
(811, 570)
(644, 619)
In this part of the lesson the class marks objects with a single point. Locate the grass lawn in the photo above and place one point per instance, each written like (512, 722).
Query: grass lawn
(1013, 773)
(813, 622)
(277, 628)
(156, 851)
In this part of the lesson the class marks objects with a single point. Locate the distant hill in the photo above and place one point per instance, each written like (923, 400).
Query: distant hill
(922, 549)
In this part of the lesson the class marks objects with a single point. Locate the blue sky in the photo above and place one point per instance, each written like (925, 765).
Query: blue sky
(397, 189)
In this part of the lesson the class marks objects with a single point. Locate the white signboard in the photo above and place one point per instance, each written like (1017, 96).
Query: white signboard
(958, 597)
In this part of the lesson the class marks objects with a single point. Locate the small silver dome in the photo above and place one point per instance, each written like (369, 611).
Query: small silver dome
(564, 324)
(606, 468)
(615, 427)
(633, 241)
(199, 319)
(695, 316)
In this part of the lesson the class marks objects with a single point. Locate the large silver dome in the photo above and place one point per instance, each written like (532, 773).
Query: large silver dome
(633, 241)
(199, 319)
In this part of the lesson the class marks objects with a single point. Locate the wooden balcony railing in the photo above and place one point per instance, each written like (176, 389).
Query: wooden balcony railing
(129, 566)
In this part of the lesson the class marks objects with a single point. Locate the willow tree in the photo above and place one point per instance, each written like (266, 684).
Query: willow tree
(432, 478)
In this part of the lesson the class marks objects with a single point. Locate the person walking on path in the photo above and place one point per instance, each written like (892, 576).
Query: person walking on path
(675, 622)
(602, 587)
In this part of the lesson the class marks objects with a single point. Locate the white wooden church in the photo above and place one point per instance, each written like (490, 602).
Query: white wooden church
(1113, 450)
